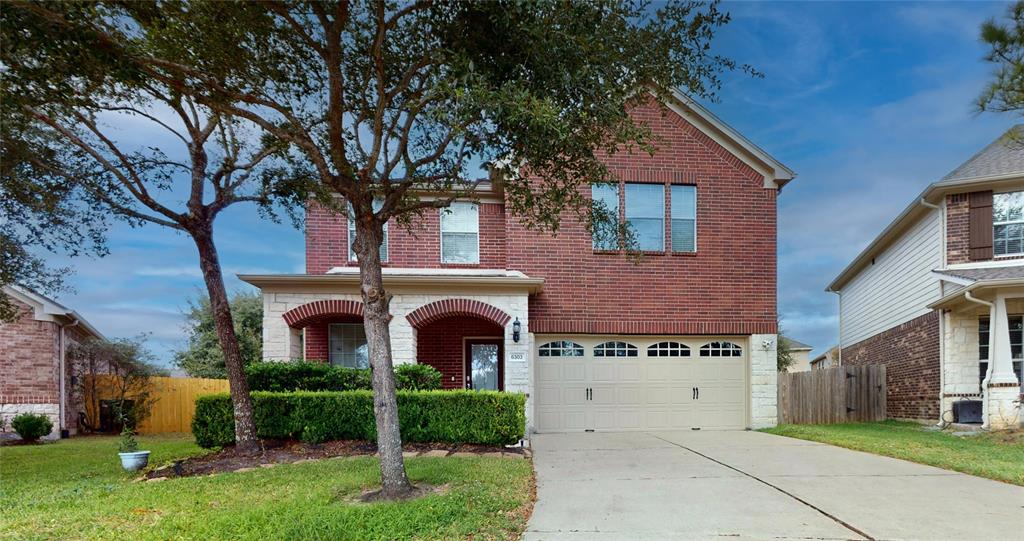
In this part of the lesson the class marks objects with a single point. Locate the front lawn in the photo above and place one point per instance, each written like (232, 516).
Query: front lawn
(75, 489)
(997, 455)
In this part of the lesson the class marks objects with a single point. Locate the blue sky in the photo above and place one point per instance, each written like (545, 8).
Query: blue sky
(867, 102)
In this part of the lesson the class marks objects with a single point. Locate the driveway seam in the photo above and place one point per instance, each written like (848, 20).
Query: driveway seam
(838, 520)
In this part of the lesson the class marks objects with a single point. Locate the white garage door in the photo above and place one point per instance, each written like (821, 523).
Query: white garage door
(622, 383)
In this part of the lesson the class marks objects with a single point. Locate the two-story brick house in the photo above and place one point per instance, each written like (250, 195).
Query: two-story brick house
(684, 338)
(938, 297)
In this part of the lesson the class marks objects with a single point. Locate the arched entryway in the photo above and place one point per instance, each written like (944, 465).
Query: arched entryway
(464, 339)
(332, 331)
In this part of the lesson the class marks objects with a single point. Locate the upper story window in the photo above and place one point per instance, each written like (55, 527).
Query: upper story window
(561, 348)
(615, 349)
(460, 233)
(684, 218)
(668, 349)
(606, 233)
(720, 349)
(1008, 223)
(377, 204)
(645, 214)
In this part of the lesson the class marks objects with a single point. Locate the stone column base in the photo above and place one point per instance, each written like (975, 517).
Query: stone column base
(1003, 406)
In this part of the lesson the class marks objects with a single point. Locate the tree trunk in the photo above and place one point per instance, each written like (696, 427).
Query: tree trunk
(245, 427)
(394, 481)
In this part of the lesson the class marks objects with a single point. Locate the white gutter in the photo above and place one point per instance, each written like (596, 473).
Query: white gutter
(991, 361)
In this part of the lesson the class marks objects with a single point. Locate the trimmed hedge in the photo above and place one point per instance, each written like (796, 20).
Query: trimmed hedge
(314, 376)
(480, 417)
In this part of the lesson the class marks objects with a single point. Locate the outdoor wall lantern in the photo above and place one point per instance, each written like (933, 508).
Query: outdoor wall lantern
(516, 329)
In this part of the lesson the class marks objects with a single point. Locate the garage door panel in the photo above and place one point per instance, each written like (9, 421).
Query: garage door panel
(642, 392)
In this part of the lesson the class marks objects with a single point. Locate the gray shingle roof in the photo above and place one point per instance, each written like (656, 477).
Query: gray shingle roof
(1003, 156)
(793, 344)
(994, 273)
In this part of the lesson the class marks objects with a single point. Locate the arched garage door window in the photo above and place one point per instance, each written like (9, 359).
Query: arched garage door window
(615, 349)
(561, 348)
(720, 349)
(668, 349)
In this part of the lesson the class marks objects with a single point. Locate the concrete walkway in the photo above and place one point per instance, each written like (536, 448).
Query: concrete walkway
(750, 485)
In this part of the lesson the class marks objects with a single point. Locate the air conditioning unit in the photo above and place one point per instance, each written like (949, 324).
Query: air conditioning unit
(967, 411)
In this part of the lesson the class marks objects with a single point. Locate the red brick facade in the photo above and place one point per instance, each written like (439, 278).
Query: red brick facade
(727, 287)
(29, 351)
(440, 344)
(910, 353)
(958, 229)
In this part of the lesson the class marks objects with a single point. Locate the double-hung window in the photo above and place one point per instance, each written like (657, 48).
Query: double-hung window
(377, 204)
(645, 214)
(1016, 323)
(684, 218)
(1008, 223)
(460, 233)
(606, 216)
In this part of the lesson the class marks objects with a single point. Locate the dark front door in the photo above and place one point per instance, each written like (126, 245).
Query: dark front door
(485, 364)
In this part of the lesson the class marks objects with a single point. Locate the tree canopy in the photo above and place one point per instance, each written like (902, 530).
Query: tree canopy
(1005, 93)
(203, 356)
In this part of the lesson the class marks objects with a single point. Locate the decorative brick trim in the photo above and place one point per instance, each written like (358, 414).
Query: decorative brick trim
(991, 385)
(434, 311)
(307, 313)
(584, 326)
(962, 395)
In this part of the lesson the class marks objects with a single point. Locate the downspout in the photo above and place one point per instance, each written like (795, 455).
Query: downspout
(61, 403)
(839, 360)
(942, 313)
(991, 361)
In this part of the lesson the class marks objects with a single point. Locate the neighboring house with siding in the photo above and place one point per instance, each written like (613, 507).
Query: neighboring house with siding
(35, 376)
(684, 338)
(921, 296)
(800, 353)
(828, 359)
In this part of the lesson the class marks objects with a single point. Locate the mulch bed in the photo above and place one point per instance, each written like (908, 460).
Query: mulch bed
(287, 452)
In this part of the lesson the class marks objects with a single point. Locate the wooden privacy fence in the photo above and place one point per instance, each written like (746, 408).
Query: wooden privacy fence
(175, 400)
(834, 395)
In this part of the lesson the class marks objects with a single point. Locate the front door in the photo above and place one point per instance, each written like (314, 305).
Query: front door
(484, 364)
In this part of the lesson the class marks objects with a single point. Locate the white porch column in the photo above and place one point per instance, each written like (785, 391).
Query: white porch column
(1001, 386)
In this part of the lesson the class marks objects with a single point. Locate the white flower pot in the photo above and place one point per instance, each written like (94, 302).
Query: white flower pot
(134, 461)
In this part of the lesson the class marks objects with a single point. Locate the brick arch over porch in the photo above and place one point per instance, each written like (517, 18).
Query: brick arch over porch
(446, 308)
(311, 312)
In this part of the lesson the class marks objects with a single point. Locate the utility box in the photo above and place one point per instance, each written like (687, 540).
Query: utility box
(967, 411)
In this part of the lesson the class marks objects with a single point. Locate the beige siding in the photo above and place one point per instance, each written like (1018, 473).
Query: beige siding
(897, 287)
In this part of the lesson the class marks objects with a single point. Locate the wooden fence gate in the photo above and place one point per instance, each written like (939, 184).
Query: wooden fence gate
(834, 395)
(175, 401)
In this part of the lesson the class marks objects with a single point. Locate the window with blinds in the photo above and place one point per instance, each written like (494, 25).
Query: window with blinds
(684, 218)
(460, 233)
(645, 214)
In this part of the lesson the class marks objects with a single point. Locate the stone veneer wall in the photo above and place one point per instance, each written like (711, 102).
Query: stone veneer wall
(763, 381)
(910, 353)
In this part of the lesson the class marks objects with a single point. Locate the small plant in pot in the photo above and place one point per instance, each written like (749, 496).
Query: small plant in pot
(132, 459)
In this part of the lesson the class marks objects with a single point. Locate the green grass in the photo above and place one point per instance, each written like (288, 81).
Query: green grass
(75, 489)
(996, 455)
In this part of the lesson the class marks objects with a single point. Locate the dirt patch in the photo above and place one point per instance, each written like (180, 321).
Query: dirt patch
(418, 491)
(273, 453)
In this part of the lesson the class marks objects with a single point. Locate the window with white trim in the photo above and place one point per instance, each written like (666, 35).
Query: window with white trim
(668, 349)
(720, 349)
(605, 199)
(645, 214)
(1016, 345)
(1008, 223)
(460, 233)
(377, 204)
(347, 345)
(615, 349)
(561, 348)
(684, 218)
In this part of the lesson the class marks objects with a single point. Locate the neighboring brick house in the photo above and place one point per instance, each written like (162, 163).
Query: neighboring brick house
(938, 297)
(34, 374)
(684, 338)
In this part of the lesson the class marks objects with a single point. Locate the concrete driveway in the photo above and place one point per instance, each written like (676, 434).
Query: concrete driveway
(750, 485)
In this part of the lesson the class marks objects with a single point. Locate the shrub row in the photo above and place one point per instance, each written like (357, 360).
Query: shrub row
(480, 417)
(313, 376)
